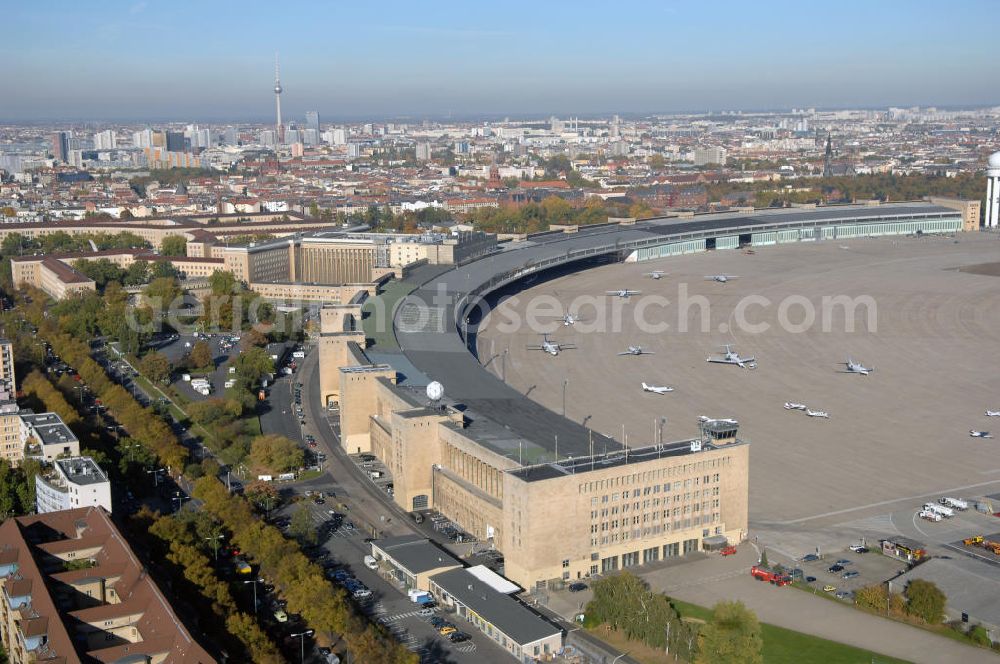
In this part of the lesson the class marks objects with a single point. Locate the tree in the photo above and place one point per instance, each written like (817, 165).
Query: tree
(276, 453)
(102, 271)
(164, 269)
(137, 273)
(925, 600)
(733, 636)
(174, 245)
(201, 355)
(301, 526)
(252, 364)
(162, 292)
(155, 366)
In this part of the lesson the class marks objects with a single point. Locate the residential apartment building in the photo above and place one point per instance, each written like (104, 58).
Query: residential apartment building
(74, 592)
(71, 483)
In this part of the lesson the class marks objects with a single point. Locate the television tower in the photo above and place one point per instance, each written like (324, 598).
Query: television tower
(277, 101)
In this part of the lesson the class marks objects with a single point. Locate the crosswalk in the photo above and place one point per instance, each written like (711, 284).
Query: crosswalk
(401, 616)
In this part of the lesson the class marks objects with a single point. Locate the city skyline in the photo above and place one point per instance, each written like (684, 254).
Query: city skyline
(86, 63)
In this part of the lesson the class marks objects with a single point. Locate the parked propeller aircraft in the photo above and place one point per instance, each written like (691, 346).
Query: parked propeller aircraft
(624, 293)
(657, 390)
(856, 367)
(551, 347)
(637, 350)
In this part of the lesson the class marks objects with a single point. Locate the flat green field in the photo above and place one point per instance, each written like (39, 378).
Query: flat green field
(783, 646)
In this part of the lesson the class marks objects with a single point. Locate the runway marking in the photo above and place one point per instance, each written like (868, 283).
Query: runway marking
(879, 504)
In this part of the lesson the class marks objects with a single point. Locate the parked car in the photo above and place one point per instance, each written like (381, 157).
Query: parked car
(858, 548)
(577, 587)
(836, 568)
(281, 616)
(852, 574)
(828, 588)
(447, 629)
(843, 561)
(810, 579)
(425, 612)
(809, 558)
(458, 637)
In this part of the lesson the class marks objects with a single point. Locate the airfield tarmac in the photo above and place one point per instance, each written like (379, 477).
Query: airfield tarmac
(893, 436)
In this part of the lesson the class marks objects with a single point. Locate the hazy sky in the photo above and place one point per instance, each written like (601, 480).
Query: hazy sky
(213, 59)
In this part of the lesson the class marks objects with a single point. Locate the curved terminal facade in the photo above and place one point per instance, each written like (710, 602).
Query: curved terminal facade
(559, 501)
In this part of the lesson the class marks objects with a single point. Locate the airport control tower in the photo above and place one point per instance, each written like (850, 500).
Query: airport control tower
(993, 191)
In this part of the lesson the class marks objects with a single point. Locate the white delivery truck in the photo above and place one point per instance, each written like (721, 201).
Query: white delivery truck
(955, 503)
(946, 512)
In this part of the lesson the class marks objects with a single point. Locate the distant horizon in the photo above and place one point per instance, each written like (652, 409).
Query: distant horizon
(536, 116)
(125, 60)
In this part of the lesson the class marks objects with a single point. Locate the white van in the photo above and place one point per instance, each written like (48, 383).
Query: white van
(370, 562)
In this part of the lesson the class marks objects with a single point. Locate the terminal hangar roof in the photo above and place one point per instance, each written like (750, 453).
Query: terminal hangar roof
(498, 416)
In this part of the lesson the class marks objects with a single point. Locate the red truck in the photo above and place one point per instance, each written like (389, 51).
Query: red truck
(774, 578)
(728, 550)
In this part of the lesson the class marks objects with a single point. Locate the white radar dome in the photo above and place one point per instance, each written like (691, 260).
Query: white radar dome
(435, 391)
(994, 161)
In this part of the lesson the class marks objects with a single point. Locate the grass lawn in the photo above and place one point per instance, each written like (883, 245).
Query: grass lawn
(784, 645)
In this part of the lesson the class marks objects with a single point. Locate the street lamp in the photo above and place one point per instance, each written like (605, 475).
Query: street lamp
(302, 642)
(156, 475)
(565, 383)
(215, 544)
(180, 498)
(254, 582)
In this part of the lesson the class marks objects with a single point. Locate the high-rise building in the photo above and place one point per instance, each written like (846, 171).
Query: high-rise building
(339, 136)
(268, 138)
(60, 145)
(142, 139)
(175, 141)
(312, 120)
(292, 136)
(423, 151)
(705, 156)
(229, 136)
(7, 367)
(310, 136)
(105, 140)
(993, 191)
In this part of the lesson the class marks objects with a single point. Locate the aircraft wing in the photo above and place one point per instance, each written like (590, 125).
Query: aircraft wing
(534, 347)
(720, 360)
(567, 346)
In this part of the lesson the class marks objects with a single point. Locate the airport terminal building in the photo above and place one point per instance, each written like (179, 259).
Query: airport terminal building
(560, 502)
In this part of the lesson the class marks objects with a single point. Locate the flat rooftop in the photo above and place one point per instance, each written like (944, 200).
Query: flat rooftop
(49, 428)
(416, 554)
(82, 471)
(500, 610)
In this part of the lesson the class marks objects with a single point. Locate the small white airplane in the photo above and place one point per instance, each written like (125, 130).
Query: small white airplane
(624, 293)
(980, 434)
(817, 413)
(637, 350)
(856, 367)
(657, 274)
(656, 390)
(551, 347)
(732, 357)
(993, 413)
(721, 278)
(794, 406)
(570, 319)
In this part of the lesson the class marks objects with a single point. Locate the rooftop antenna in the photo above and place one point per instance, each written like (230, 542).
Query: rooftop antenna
(590, 432)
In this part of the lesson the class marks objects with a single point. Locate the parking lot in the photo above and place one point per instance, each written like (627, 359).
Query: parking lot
(845, 571)
(343, 547)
